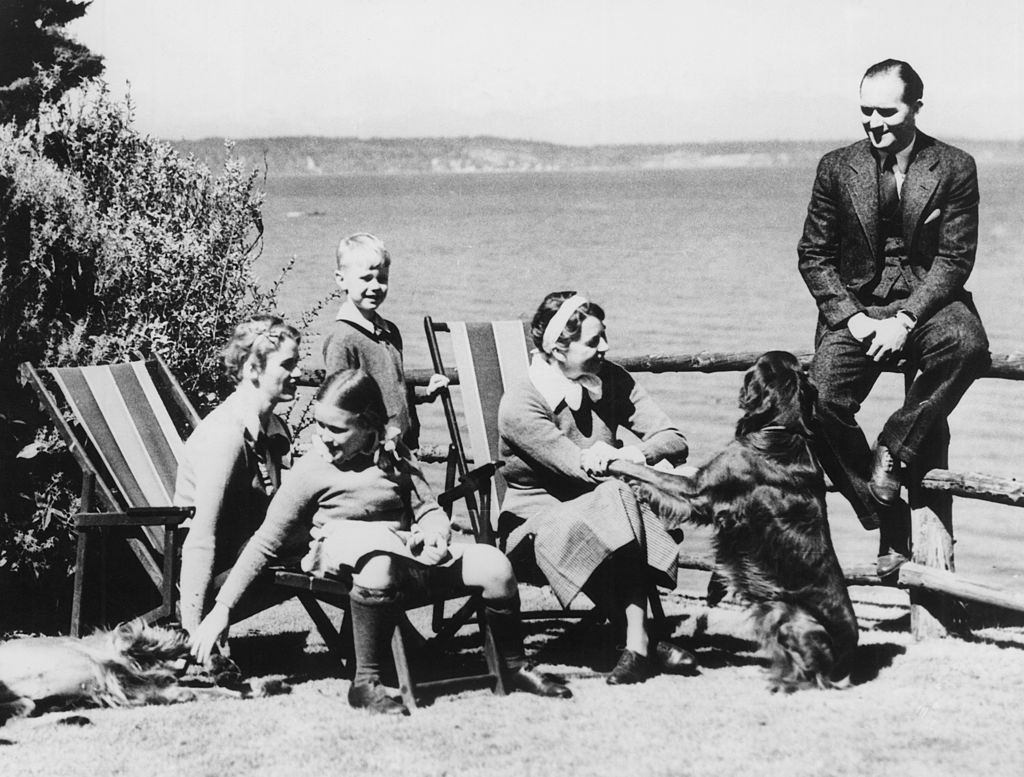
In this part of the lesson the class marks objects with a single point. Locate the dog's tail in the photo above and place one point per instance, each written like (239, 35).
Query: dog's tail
(800, 651)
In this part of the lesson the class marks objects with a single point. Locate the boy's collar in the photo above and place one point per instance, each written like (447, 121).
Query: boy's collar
(350, 313)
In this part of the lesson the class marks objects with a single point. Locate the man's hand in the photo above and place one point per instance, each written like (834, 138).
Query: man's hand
(861, 326)
(890, 337)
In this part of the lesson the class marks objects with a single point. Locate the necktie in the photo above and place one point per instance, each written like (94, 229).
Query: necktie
(888, 195)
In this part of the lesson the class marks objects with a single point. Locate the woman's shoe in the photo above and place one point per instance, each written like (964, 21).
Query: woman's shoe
(632, 668)
(373, 698)
(672, 658)
(526, 678)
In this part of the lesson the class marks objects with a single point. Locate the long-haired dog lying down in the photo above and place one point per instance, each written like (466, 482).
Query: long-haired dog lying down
(765, 496)
(131, 665)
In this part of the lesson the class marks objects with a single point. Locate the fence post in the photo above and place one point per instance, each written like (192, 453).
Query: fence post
(931, 515)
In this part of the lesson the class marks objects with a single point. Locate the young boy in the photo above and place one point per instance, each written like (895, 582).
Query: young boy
(362, 338)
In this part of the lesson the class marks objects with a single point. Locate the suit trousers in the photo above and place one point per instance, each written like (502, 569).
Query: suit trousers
(947, 351)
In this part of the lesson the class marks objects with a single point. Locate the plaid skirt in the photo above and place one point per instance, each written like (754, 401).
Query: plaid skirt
(572, 539)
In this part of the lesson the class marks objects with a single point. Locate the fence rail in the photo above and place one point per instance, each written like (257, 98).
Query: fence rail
(1006, 366)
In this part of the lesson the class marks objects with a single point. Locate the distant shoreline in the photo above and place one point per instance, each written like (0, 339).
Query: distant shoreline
(315, 156)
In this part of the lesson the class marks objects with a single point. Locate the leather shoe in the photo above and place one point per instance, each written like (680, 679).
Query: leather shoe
(526, 678)
(632, 668)
(373, 698)
(672, 658)
(888, 563)
(884, 484)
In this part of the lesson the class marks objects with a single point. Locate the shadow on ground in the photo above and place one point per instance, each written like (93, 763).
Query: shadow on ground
(869, 661)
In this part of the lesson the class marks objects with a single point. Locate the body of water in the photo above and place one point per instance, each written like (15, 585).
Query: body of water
(682, 261)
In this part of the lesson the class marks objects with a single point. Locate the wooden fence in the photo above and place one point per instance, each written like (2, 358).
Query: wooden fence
(929, 577)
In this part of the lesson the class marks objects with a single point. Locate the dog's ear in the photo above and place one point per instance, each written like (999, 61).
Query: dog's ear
(758, 399)
(775, 391)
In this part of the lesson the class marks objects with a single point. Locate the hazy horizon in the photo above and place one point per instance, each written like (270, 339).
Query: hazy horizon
(603, 72)
(412, 138)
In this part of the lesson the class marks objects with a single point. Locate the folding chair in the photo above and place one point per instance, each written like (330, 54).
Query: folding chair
(489, 356)
(125, 425)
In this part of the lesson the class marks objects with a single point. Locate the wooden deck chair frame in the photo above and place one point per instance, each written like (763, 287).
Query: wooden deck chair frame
(125, 425)
(489, 356)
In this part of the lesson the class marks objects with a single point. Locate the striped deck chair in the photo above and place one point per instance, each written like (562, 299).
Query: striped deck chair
(488, 357)
(125, 425)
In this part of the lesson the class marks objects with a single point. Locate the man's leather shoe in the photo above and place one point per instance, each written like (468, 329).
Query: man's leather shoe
(526, 678)
(632, 668)
(373, 698)
(884, 484)
(672, 658)
(888, 563)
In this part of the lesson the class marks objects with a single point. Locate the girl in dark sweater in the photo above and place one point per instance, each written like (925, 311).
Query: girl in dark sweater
(350, 507)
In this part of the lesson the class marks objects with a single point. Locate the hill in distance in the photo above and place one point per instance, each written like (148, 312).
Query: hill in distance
(376, 156)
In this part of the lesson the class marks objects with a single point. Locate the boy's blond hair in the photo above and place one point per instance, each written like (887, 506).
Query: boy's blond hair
(357, 243)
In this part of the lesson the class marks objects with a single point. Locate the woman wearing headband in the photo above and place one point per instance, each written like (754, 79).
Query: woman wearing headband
(559, 430)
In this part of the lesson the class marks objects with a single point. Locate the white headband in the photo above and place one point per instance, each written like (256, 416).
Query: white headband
(558, 321)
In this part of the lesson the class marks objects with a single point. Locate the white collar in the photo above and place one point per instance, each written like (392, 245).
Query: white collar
(903, 156)
(350, 313)
(555, 388)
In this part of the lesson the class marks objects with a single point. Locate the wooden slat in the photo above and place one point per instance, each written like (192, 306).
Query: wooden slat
(976, 485)
(941, 581)
(170, 517)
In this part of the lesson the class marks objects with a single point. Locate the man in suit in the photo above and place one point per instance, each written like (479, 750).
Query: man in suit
(888, 244)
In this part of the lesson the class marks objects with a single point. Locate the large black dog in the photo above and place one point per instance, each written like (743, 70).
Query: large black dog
(765, 496)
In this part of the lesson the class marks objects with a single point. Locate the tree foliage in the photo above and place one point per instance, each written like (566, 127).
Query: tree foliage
(38, 61)
(111, 245)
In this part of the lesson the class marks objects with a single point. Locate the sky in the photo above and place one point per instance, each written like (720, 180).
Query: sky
(566, 71)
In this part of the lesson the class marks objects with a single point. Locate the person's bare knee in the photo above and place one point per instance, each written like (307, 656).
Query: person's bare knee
(488, 568)
(375, 572)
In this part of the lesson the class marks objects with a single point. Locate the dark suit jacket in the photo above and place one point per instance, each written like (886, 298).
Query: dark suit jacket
(840, 250)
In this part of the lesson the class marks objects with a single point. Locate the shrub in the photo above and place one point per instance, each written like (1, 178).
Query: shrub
(111, 245)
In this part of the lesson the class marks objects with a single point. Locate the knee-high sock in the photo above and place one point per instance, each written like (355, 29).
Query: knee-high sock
(374, 613)
(507, 627)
